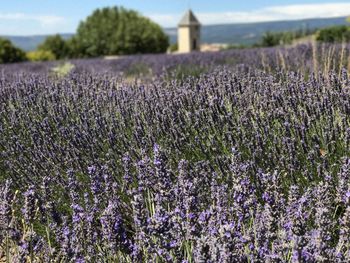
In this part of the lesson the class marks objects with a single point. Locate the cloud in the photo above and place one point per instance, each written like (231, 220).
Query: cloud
(165, 19)
(272, 13)
(43, 20)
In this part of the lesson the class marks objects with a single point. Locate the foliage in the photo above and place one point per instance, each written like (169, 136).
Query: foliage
(56, 45)
(173, 48)
(9, 53)
(271, 39)
(235, 46)
(40, 55)
(75, 49)
(118, 31)
(334, 34)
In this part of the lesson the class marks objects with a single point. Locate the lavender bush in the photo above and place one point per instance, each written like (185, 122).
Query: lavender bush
(244, 158)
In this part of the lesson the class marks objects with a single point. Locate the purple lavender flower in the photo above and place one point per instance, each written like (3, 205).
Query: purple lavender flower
(113, 230)
(29, 207)
(5, 208)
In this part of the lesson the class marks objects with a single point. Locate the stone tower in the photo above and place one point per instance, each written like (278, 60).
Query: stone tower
(189, 32)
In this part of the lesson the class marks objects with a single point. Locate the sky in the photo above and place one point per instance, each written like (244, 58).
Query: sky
(38, 17)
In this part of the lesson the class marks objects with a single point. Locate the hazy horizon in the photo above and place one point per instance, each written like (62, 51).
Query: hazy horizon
(41, 17)
(175, 27)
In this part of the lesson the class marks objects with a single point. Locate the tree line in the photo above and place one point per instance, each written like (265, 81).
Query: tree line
(333, 34)
(107, 31)
(119, 31)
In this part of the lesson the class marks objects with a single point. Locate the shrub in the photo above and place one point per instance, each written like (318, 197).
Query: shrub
(334, 34)
(63, 69)
(173, 48)
(41, 55)
(271, 39)
(9, 53)
(56, 45)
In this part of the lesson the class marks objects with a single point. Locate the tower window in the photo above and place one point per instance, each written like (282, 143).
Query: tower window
(194, 44)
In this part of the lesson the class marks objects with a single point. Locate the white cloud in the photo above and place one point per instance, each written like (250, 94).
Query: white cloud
(273, 13)
(47, 20)
(27, 24)
(165, 19)
(43, 20)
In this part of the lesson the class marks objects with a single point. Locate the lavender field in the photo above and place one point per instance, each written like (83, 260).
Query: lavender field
(234, 156)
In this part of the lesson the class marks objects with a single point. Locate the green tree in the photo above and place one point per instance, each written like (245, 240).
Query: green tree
(118, 31)
(334, 34)
(270, 39)
(75, 48)
(56, 45)
(9, 53)
(174, 47)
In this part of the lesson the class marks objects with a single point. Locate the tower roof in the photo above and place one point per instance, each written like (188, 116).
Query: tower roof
(189, 19)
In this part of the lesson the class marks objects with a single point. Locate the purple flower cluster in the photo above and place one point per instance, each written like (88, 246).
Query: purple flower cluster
(189, 214)
(247, 161)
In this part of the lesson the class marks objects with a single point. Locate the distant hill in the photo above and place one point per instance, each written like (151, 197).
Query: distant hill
(29, 43)
(252, 33)
(240, 34)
